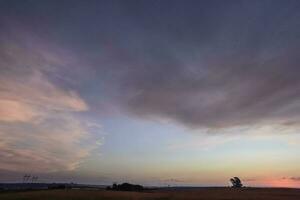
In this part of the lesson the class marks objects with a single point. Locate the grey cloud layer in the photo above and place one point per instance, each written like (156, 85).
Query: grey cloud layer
(239, 66)
(221, 92)
(202, 64)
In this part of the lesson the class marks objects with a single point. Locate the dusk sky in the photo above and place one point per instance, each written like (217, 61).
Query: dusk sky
(151, 92)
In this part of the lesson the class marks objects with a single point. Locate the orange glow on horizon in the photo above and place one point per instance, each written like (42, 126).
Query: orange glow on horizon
(280, 183)
(284, 183)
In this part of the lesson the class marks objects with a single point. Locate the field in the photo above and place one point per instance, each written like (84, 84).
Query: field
(179, 194)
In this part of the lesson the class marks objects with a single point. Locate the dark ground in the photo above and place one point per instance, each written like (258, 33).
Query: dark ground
(159, 194)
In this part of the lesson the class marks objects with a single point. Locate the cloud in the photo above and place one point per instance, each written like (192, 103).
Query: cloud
(39, 128)
(292, 178)
(206, 142)
(173, 180)
(203, 66)
(11, 111)
(219, 94)
(242, 73)
(26, 99)
(219, 67)
(51, 145)
(295, 178)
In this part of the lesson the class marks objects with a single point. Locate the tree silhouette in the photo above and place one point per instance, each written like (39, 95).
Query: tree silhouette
(236, 182)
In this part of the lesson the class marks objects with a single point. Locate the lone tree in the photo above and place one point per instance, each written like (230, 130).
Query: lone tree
(236, 182)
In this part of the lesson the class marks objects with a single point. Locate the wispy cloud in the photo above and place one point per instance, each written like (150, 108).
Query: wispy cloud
(37, 127)
(28, 97)
(292, 178)
(295, 178)
(39, 130)
(173, 180)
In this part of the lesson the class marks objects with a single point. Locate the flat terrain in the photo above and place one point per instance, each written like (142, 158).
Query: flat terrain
(180, 194)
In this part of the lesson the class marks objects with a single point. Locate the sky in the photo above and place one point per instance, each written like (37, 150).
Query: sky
(181, 93)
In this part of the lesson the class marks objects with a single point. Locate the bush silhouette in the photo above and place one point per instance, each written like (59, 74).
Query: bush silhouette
(114, 186)
(125, 187)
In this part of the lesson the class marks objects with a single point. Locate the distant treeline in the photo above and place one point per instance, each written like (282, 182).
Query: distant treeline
(125, 187)
(46, 186)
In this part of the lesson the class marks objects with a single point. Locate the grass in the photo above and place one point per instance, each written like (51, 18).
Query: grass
(191, 194)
